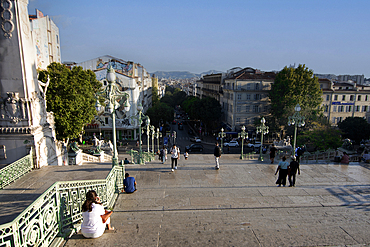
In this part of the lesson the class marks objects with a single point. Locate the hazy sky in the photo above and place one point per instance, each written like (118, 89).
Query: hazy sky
(329, 36)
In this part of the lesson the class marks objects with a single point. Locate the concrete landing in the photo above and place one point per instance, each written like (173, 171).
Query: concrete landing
(240, 205)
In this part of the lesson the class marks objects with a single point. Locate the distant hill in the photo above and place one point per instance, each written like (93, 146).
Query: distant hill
(181, 74)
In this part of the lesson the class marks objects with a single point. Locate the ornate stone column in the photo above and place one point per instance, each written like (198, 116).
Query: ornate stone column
(23, 116)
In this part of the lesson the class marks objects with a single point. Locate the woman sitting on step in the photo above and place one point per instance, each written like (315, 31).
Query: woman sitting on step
(95, 217)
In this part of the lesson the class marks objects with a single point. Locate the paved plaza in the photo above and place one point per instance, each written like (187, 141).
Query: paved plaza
(240, 205)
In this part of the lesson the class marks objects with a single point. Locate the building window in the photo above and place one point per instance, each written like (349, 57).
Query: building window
(357, 108)
(247, 108)
(339, 119)
(351, 97)
(238, 108)
(364, 108)
(340, 108)
(348, 108)
(265, 108)
(334, 108)
(248, 86)
(246, 121)
(333, 120)
(257, 96)
(343, 97)
(326, 108)
(327, 97)
(238, 119)
(359, 98)
(106, 120)
(231, 108)
(257, 86)
(248, 97)
(239, 96)
(366, 98)
(335, 97)
(256, 108)
(231, 96)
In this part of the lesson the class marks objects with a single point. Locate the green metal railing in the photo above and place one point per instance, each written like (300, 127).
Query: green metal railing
(57, 212)
(15, 170)
(135, 156)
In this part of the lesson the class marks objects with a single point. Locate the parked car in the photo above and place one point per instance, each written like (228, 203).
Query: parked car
(231, 144)
(194, 147)
(255, 145)
(195, 139)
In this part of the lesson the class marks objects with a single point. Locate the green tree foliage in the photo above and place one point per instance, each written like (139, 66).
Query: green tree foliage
(208, 110)
(294, 86)
(160, 111)
(71, 97)
(322, 138)
(155, 97)
(355, 128)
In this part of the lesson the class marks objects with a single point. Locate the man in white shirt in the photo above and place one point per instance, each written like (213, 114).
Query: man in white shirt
(175, 155)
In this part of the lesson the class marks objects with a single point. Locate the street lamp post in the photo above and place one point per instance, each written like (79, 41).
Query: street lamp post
(222, 136)
(263, 129)
(148, 131)
(174, 137)
(140, 117)
(152, 133)
(243, 134)
(114, 99)
(158, 135)
(298, 121)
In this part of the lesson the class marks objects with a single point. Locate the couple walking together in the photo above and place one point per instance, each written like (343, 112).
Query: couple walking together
(285, 169)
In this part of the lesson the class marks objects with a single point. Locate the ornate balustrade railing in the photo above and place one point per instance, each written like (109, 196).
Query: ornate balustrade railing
(319, 155)
(135, 156)
(57, 212)
(15, 170)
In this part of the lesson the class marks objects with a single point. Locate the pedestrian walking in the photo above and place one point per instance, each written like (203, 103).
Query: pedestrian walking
(186, 155)
(283, 172)
(293, 168)
(163, 154)
(217, 153)
(272, 153)
(175, 155)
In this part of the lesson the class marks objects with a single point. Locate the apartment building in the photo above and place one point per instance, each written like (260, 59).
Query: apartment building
(245, 97)
(345, 99)
(210, 86)
(46, 39)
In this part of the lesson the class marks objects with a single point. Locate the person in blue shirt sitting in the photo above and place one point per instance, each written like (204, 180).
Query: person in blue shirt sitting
(129, 184)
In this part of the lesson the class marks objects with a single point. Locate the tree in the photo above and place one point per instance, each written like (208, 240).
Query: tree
(160, 111)
(71, 97)
(294, 86)
(322, 138)
(355, 128)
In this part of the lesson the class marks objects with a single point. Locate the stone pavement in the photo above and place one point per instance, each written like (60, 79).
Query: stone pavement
(240, 205)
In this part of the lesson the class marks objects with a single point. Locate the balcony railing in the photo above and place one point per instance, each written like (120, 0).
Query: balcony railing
(15, 170)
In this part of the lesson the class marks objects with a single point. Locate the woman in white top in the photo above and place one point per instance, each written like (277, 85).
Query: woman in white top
(95, 217)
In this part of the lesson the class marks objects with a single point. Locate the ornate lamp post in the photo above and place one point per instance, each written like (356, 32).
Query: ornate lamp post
(140, 117)
(114, 99)
(222, 135)
(153, 134)
(298, 121)
(263, 129)
(243, 135)
(148, 131)
(158, 135)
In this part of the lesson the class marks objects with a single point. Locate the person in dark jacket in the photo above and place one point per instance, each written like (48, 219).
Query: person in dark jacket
(293, 168)
(217, 153)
